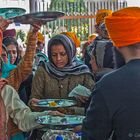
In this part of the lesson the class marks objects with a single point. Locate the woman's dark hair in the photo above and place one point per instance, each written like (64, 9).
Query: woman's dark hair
(56, 42)
(5, 49)
(10, 40)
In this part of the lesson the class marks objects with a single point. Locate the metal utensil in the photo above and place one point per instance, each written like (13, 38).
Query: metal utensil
(62, 122)
(55, 103)
(11, 12)
(43, 17)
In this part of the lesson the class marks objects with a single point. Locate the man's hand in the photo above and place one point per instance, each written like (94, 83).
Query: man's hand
(4, 23)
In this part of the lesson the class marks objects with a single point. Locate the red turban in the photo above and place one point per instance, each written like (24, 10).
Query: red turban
(9, 33)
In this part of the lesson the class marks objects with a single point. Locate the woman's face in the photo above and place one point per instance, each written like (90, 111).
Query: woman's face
(13, 53)
(59, 56)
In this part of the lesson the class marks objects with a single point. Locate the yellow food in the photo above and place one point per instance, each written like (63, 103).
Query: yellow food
(53, 104)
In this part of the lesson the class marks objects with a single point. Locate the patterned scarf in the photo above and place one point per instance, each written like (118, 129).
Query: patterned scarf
(74, 67)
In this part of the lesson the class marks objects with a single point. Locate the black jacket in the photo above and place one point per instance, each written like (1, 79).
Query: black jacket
(115, 106)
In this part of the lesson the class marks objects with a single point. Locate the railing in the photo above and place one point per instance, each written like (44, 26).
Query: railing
(79, 17)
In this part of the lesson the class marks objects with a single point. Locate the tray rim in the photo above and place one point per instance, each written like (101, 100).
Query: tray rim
(29, 15)
(44, 106)
(23, 11)
(55, 124)
(40, 12)
(13, 8)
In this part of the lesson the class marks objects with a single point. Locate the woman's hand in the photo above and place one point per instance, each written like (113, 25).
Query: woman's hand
(3, 82)
(55, 113)
(4, 23)
(33, 101)
(36, 26)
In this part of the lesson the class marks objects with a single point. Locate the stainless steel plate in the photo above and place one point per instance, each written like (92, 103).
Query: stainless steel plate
(55, 103)
(11, 12)
(43, 17)
(53, 134)
(67, 120)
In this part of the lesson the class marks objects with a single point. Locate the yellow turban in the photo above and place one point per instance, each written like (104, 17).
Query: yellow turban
(124, 26)
(101, 14)
(92, 37)
(40, 37)
(73, 36)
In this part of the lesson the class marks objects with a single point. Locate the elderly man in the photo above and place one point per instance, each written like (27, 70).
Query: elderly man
(115, 104)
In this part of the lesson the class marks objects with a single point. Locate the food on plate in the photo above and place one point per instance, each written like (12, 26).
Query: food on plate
(52, 104)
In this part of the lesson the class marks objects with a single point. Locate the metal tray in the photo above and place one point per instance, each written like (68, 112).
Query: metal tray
(11, 12)
(55, 103)
(53, 134)
(58, 121)
(43, 17)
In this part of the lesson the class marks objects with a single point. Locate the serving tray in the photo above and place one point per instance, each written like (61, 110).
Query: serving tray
(60, 121)
(55, 103)
(43, 17)
(11, 12)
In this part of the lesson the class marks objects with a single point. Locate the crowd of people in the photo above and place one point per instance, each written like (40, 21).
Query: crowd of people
(108, 69)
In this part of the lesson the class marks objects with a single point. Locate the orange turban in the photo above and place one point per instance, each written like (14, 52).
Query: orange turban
(40, 37)
(101, 14)
(73, 36)
(124, 26)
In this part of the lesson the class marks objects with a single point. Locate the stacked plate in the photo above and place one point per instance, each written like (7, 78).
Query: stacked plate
(11, 12)
(60, 122)
(19, 16)
(42, 17)
(55, 103)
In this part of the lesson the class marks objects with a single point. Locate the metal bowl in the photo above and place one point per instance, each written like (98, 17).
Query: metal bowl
(43, 17)
(11, 12)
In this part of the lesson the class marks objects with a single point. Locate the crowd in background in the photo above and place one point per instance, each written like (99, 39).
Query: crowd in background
(109, 61)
